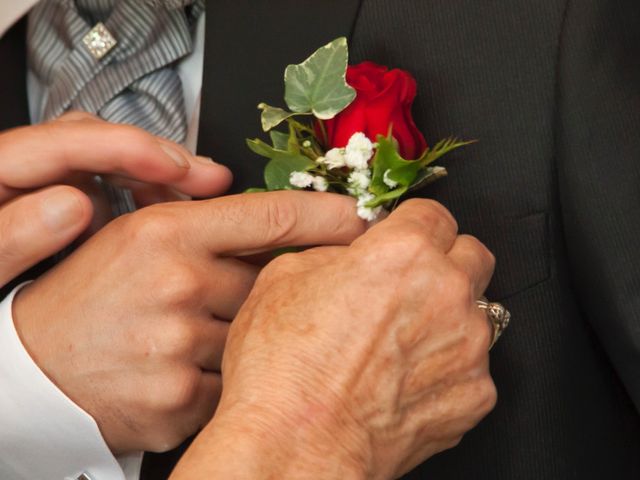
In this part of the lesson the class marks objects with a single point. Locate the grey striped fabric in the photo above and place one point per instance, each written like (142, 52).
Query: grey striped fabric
(135, 83)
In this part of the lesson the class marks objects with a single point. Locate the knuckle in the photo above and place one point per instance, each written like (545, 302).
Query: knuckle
(487, 395)
(485, 255)
(281, 265)
(182, 287)
(408, 244)
(151, 224)
(428, 211)
(458, 285)
(281, 219)
(453, 442)
(178, 338)
(181, 392)
(413, 240)
(130, 134)
(488, 256)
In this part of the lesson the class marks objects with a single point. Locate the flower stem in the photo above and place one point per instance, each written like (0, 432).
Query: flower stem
(323, 129)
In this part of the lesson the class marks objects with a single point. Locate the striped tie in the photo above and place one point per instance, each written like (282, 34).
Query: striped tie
(134, 83)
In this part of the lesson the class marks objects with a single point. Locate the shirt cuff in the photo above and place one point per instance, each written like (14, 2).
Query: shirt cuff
(43, 434)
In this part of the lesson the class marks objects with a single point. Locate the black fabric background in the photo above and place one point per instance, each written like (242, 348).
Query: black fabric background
(551, 88)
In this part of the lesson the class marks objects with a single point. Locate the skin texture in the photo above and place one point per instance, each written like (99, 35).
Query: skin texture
(355, 362)
(39, 217)
(133, 324)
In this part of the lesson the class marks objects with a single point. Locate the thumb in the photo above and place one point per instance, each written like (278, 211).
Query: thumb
(37, 225)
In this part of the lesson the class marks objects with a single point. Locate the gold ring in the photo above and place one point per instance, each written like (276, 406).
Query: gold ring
(497, 315)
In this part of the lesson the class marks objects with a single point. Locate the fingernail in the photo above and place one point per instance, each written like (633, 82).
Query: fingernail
(61, 211)
(205, 160)
(176, 155)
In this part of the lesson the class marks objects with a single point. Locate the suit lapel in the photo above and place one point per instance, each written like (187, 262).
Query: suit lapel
(13, 83)
(248, 45)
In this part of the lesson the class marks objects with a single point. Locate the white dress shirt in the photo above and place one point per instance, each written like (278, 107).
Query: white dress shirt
(43, 434)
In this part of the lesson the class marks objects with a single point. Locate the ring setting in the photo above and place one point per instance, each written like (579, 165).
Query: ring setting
(498, 316)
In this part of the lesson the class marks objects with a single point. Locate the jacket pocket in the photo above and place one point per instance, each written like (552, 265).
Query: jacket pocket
(522, 251)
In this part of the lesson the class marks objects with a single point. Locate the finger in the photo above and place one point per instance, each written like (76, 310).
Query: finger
(422, 217)
(36, 156)
(473, 258)
(213, 336)
(318, 255)
(229, 286)
(145, 194)
(39, 224)
(251, 223)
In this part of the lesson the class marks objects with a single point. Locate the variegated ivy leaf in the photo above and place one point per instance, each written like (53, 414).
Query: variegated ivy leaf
(318, 85)
(273, 116)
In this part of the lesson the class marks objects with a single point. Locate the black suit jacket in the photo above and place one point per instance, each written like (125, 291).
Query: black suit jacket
(551, 88)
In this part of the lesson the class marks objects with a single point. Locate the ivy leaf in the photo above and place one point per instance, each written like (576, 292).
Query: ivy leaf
(273, 116)
(280, 168)
(388, 160)
(318, 85)
(441, 148)
(280, 140)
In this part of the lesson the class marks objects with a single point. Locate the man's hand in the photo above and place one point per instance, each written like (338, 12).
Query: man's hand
(35, 224)
(355, 362)
(132, 326)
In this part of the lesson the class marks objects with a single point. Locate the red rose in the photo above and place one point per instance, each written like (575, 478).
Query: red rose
(384, 98)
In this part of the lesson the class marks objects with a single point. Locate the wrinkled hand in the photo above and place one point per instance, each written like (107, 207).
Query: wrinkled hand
(37, 223)
(132, 326)
(355, 362)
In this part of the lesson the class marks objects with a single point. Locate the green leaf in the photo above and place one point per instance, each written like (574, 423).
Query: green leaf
(280, 140)
(441, 148)
(273, 116)
(263, 149)
(387, 197)
(427, 176)
(318, 85)
(255, 190)
(292, 142)
(387, 159)
(280, 168)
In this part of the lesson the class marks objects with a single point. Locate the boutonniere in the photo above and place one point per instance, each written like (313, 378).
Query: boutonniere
(349, 130)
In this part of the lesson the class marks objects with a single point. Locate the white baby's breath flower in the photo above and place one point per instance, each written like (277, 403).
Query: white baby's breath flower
(356, 160)
(321, 160)
(301, 179)
(359, 151)
(364, 212)
(320, 184)
(359, 180)
(306, 144)
(334, 158)
(388, 181)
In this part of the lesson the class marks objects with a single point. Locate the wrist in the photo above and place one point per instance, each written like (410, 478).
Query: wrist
(256, 441)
